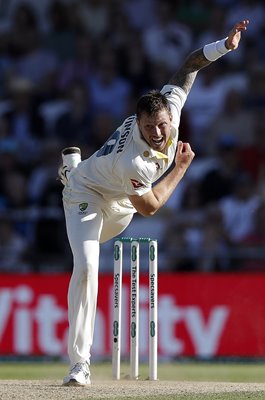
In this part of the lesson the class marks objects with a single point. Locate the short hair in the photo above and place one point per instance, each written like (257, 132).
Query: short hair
(151, 103)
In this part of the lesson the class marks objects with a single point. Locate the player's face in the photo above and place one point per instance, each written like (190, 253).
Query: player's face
(156, 129)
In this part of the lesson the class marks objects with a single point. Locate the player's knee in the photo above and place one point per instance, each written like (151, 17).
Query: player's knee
(88, 271)
(85, 267)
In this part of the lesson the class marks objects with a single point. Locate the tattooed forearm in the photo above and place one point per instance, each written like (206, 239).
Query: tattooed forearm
(185, 76)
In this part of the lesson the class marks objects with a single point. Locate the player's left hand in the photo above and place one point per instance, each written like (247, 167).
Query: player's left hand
(234, 37)
(184, 156)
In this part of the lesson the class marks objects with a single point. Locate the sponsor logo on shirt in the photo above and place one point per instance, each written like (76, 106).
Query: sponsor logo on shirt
(136, 184)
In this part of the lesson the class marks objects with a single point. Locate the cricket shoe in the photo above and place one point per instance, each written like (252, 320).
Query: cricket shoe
(71, 158)
(79, 375)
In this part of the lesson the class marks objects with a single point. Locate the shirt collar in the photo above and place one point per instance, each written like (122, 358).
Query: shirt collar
(146, 150)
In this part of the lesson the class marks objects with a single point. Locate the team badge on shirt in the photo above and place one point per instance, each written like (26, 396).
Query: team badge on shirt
(82, 208)
(136, 184)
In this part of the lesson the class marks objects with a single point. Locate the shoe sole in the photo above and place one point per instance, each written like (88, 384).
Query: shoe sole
(73, 382)
(71, 150)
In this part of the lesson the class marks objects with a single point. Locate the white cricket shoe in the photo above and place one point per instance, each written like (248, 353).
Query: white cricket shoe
(71, 158)
(79, 375)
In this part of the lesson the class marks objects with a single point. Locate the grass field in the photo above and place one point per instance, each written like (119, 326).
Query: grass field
(182, 373)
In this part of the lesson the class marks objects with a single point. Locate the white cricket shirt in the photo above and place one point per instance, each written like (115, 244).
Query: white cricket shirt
(126, 164)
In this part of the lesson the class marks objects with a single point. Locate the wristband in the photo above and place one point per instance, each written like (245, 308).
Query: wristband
(215, 50)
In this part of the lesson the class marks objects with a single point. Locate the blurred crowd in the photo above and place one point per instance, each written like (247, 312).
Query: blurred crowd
(72, 70)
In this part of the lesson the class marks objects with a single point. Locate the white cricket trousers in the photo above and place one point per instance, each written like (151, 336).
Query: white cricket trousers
(85, 230)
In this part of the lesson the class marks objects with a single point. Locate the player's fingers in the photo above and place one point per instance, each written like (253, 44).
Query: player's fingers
(186, 147)
(242, 25)
(188, 150)
(180, 146)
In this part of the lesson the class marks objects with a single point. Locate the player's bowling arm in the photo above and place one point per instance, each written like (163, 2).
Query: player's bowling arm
(200, 58)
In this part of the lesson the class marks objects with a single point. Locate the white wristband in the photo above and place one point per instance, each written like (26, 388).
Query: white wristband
(215, 50)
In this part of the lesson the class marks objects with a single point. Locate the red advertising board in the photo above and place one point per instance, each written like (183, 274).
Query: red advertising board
(202, 315)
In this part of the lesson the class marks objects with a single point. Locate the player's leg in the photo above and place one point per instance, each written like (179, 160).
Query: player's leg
(113, 225)
(83, 229)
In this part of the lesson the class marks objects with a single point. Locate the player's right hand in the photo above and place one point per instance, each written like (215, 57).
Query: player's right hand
(234, 37)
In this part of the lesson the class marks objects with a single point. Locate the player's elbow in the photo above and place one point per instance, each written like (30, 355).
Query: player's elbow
(146, 205)
(147, 211)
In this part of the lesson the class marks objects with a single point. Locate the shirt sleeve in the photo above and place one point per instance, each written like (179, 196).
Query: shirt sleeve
(137, 180)
(176, 97)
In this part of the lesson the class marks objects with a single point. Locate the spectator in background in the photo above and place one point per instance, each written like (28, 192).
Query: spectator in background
(185, 230)
(94, 16)
(7, 141)
(252, 155)
(8, 155)
(103, 125)
(238, 209)
(16, 204)
(196, 239)
(252, 246)
(140, 13)
(25, 122)
(120, 34)
(29, 59)
(8, 164)
(215, 16)
(39, 8)
(255, 100)
(42, 187)
(5, 68)
(13, 249)
(60, 37)
(21, 22)
(80, 66)
(167, 40)
(220, 179)
(134, 65)
(214, 253)
(50, 256)
(204, 104)
(177, 256)
(75, 124)
(259, 45)
(195, 14)
(157, 74)
(235, 119)
(13, 33)
(107, 84)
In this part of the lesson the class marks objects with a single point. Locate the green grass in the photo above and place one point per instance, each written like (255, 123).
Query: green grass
(178, 371)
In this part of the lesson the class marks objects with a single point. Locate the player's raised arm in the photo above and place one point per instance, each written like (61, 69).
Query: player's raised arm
(202, 57)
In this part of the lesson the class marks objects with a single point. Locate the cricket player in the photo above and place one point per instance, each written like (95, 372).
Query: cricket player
(126, 175)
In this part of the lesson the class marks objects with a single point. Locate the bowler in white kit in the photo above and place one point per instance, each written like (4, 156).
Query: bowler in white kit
(126, 175)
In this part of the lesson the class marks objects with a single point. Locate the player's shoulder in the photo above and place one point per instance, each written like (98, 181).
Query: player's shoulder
(133, 158)
(170, 90)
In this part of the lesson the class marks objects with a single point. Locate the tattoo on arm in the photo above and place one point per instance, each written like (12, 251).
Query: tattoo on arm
(186, 75)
